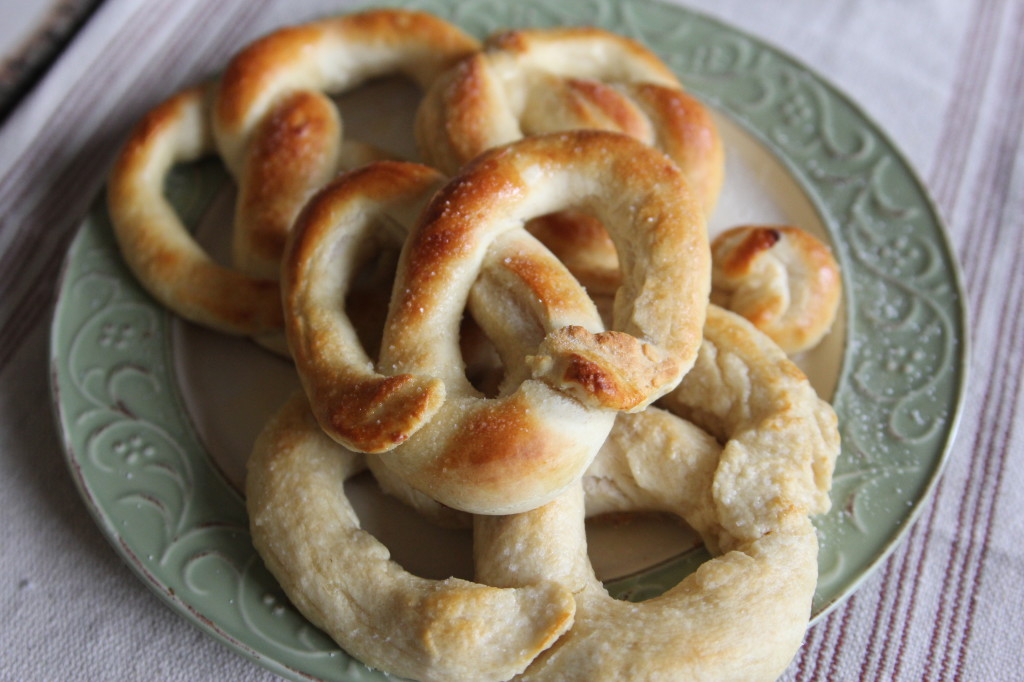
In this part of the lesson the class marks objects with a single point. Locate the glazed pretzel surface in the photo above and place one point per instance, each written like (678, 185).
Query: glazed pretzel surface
(344, 581)
(280, 135)
(277, 128)
(781, 278)
(535, 81)
(741, 615)
(434, 430)
(563, 373)
(155, 243)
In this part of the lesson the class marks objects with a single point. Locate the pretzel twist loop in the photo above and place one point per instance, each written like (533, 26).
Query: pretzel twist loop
(155, 243)
(564, 373)
(277, 128)
(271, 120)
(531, 82)
(345, 582)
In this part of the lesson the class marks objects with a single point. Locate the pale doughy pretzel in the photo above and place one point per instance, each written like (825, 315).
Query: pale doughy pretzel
(535, 81)
(158, 248)
(741, 615)
(781, 278)
(276, 126)
(563, 373)
(343, 580)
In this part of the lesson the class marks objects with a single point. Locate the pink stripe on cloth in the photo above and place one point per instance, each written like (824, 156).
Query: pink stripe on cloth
(961, 119)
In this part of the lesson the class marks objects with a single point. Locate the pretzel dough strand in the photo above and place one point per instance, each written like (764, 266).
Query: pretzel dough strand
(782, 438)
(741, 615)
(536, 81)
(344, 581)
(342, 226)
(332, 55)
(653, 220)
(154, 242)
(277, 128)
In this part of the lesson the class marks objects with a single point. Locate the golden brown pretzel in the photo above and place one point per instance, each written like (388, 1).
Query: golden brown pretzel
(779, 277)
(276, 126)
(536, 81)
(280, 136)
(158, 248)
(563, 373)
(343, 580)
(742, 615)
(469, 452)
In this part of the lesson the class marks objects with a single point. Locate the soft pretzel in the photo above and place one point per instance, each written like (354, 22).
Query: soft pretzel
(158, 248)
(343, 580)
(781, 278)
(741, 615)
(564, 374)
(281, 138)
(276, 126)
(470, 452)
(653, 220)
(535, 81)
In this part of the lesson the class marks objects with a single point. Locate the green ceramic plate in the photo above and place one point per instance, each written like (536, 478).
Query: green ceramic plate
(157, 415)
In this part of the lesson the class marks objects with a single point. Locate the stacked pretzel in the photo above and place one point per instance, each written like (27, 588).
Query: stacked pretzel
(558, 212)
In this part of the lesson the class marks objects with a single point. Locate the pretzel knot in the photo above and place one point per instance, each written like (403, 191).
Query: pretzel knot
(280, 136)
(781, 278)
(530, 82)
(746, 472)
(564, 374)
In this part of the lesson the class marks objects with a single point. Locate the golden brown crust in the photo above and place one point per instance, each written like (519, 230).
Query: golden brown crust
(536, 81)
(366, 209)
(278, 130)
(656, 225)
(779, 277)
(370, 43)
(419, 412)
(563, 372)
(158, 248)
(280, 136)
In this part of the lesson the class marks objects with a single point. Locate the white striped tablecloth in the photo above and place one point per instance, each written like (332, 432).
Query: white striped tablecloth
(944, 78)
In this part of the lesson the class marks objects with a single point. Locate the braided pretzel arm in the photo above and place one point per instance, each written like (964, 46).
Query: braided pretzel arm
(741, 615)
(277, 128)
(781, 278)
(350, 221)
(343, 580)
(158, 248)
(531, 82)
